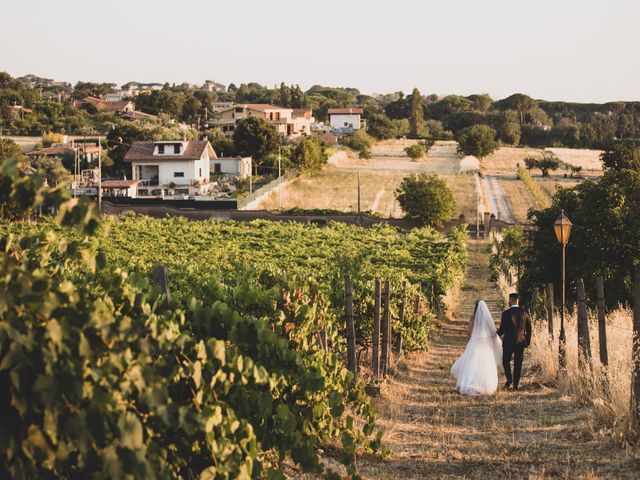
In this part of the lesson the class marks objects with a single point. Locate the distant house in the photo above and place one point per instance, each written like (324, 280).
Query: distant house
(115, 97)
(303, 121)
(211, 86)
(345, 120)
(217, 106)
(227, 119)
(171, 167)
(136, 115)
(88, 151)
(231, 167)
(103, 105)
(18, 112)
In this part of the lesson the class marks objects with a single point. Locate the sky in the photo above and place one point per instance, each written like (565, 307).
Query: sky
(573, 50)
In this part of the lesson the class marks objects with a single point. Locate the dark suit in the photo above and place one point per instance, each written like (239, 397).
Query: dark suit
(510, 346)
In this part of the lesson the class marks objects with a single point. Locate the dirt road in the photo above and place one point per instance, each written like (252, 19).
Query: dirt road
(433, 432)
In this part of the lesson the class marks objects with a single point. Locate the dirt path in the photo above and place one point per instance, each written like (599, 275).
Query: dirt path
(433, 432)
(376, 201)
(497, 200)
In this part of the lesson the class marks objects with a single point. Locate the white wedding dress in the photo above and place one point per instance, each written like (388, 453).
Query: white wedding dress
(476, 371)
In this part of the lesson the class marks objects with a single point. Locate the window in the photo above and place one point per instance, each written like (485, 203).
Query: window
(176, 149)
(200, 172)
(160, 149)
(217, 168)
(238, 109)
(178, 174)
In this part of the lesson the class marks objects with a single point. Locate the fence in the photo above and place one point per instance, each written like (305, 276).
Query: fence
(253, 200)
(584, 347)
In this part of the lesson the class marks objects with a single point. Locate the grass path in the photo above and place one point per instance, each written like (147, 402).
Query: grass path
(433, 432)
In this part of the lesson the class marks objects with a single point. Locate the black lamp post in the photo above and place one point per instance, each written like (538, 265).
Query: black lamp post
(562, 227)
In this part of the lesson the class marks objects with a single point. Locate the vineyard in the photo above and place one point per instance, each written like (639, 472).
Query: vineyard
(107, 376)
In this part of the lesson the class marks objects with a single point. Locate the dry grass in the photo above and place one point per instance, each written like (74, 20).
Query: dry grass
(606, 389)
(589, 160)
(518, 196)
(504, 161)
(337, 189)
(550, 185)
(389, 156)
(433, 432)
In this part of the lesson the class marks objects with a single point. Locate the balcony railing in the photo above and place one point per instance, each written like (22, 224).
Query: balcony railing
(150, 182)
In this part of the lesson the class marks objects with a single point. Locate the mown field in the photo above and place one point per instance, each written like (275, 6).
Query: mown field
(336, 187)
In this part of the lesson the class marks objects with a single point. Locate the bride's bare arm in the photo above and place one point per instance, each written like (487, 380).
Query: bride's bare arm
(470, 327)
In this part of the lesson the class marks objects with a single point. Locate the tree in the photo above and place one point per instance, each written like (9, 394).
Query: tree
(191, 109)
(622, 155)
(519, 102)
(477, 140)
(255, 137)
(605, 239)
(426, 198)
(416, 113)
(52, 169)
(381, 127)
(309, 156)
(415, 151)
(549, 161)
(9, 149)
(358, 140)
(221, 143)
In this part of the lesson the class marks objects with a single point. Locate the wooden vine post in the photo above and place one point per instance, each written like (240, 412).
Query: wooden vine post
(584, 344)
(550, 308)
(375, 343)
(386, 329)
(351, 332)
(401, 310)
(602, 326)
(160, 277)
(635, 383)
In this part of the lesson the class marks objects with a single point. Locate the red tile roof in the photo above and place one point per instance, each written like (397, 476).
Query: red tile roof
(143, 151)
(50, 151)
(345, 111)
(261, 106)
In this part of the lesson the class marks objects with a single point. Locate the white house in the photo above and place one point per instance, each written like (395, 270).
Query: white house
(303, 121)
(345, 120)
(231, 167)
(227, 119)
(171, 167)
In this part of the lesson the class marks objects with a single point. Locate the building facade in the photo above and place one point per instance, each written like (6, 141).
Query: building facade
(171, 167)
(345, 120)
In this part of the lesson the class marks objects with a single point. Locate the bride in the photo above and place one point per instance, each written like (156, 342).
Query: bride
(476, 371)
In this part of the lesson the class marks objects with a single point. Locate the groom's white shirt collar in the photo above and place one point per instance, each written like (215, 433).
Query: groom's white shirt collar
(515, 305)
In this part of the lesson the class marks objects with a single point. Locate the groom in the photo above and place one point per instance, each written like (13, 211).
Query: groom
(513, 343)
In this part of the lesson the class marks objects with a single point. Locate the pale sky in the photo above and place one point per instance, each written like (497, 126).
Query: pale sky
(576, 50)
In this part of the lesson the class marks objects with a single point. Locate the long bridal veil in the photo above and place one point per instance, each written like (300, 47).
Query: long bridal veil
(476, 371)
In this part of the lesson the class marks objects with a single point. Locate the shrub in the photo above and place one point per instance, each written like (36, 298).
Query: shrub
(415, 151)
(426, 198)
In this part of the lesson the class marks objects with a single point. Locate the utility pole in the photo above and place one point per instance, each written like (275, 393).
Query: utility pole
(358, 192)
(279, 179)
(477, 205)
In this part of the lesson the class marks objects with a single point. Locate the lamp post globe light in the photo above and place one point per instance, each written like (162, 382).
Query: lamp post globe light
(562, 227)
